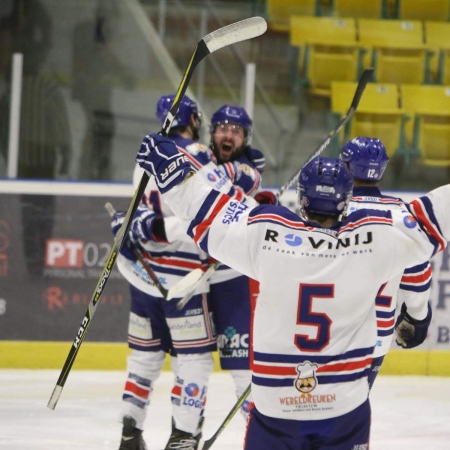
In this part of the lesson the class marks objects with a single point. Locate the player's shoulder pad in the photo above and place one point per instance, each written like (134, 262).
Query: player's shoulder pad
(365, 216)
(275, 214)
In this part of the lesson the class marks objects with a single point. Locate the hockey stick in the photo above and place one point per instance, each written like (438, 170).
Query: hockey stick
(196, 276)
(206, 275)
(364, 79)
(236, 32)
(111, 211)
(205, 445)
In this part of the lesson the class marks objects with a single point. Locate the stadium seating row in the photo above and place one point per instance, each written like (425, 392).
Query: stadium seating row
(411, 120)
(279, 11)
(331, 49)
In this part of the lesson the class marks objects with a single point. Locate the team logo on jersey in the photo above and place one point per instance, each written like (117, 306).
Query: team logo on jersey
(192, 390)
(306, 381)
(410, 221)
(293, 240)
(196, 148)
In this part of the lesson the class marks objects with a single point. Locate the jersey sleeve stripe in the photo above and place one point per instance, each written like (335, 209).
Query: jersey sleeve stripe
(423, 210)
(210, 208)
(192, 160)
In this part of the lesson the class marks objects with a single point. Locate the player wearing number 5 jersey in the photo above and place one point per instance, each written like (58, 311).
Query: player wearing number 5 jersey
(367, 159)
(314, 325)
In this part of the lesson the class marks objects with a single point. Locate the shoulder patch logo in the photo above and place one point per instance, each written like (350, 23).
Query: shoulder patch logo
(410, 221)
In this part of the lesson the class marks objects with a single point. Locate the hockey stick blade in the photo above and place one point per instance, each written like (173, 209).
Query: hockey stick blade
(231, 34)
(185, 283)
(205, 445)
(163, 291)
(206, 275)
(239, 31)
(364, 79)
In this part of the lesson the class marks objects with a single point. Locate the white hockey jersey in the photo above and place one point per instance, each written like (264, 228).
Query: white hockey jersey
(174, 259)
(314, 324)
(411, 287)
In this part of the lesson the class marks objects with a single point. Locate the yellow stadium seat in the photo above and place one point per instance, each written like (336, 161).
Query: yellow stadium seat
(438, 10)
(279, 11)
(329, 51)
(430, 108)
(398, 52)
(444, 67)
(327, 30)
(437, 36)
(378, 114)
(375, 9)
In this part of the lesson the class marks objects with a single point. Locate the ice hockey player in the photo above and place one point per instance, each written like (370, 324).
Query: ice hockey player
(367, 159)
(173, 254)
(314, 324)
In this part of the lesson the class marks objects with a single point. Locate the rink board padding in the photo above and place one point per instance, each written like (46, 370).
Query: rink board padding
(112, 356)
(54, 240)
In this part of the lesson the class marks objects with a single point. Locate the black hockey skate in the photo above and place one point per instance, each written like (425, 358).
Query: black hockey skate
(182, 440)
(131, 436)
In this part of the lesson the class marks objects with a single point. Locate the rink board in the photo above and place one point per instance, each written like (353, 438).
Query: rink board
(48, 273)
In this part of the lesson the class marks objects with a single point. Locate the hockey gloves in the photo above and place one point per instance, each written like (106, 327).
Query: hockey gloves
(411, 332)
(256, 157)
(127, 247)
(267, 198)
(147, 225)
(159, 157)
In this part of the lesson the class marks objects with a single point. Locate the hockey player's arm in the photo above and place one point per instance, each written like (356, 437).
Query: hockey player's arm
(415, 288)
(217, 222)
(433, 213)
(243, 176)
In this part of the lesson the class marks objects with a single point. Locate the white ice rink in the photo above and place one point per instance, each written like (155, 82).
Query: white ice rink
(409, 413)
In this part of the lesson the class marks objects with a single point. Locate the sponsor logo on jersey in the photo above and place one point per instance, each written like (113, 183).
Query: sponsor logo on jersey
(293, 240)
(233, 344)
(233, 212)
(410, 221)
(211, 177)
(316, 243)
(306, 381)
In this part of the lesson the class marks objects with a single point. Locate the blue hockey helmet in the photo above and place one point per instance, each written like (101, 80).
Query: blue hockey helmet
(366, 157)
(234, 115)
(325, 186)
(183, 117)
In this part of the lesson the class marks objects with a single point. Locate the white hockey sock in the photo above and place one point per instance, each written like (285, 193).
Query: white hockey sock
(144, 368)
(189, 395)
(242, 378)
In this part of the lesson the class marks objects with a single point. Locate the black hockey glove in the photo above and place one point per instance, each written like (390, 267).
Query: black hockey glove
(411, 332)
